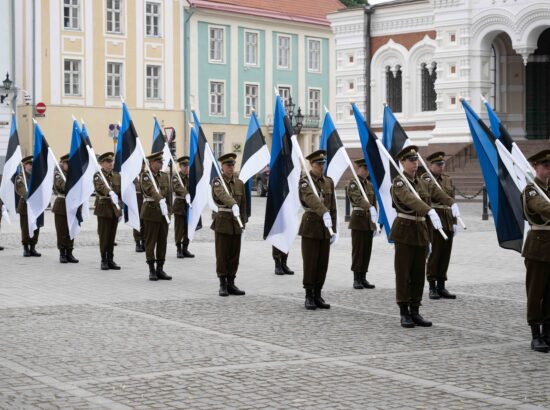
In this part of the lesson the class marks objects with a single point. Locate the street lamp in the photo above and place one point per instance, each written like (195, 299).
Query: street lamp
(7, 87)
(297, 121)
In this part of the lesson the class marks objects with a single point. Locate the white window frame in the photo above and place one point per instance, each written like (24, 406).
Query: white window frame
(108, 79)
(78, 16)
(121, 17)
(223, 40)
(284, 86)
(145, 15)
(309, 68)
(245, 50)
(215, 144)
(289, 66)
(71, 80)
(159, 79)
(222, 105)
(257, 107)
(309, 100)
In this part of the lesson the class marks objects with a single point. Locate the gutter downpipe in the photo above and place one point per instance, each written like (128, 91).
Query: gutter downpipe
(368, 12)
(186, 76)
(12, 68)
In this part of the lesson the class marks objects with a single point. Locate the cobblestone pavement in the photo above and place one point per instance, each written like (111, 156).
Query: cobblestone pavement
(73, 336)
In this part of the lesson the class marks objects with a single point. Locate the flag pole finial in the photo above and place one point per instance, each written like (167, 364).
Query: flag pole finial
(326, 109)
(155, 116)
(276, 91)
(483, 99)
(82, 121)
(385, 104)
(253, 110)
(34, 120)
(192, 109)
(12, 112)
(122, 99)
(190, 125)
(461, 98)
(74, 118)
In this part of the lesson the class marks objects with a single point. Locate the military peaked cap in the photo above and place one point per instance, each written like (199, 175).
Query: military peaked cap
(183, 160)
(155, 156)
(410, 152)
(436, 157)
(318, 156)
(107, 156)
(360, 162)
(541, 157)
(27, 160)
(228, 158)
(64, 158)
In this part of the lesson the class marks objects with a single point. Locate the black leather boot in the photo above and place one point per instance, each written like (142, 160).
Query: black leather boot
(142, 246)
(310, 303)
(33, 252)
(285, 267)
(70, 257)
(111, 262)
(104, 264)
(418, 319)
(406, 320)
(278, 267)
(357, 284)
(546, 333)
(538, 344)
(1, 248)
(223, 286)
(434, 294)
(179, 253)
(63, 256)
(444, 293)
(160, 272)
(319, 301)
(26, 252)
(139, 247)
(366, 283)
(232, 289)
(152, 271)
(186, 252)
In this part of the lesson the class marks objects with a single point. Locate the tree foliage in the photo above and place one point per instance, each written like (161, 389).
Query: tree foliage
(352, 3)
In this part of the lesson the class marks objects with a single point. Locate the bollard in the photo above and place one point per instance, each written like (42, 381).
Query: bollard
(348, 206)
(485, 214)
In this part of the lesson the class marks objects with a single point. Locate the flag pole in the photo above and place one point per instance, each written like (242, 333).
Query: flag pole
(24, 177)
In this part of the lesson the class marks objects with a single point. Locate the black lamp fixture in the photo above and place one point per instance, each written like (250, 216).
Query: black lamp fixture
(7, 87)
(297, 121)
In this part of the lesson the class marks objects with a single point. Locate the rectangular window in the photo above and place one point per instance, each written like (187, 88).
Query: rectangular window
(251, 98)
(216, 35)
(217, 143)
(72, 77)
(71, 14)
(152, 19)
(217, 98)
(114, 16)
(314, 54)
(251, 48)
(114, 79)
(153, 82)
(283, 52)
(284, 93)
(314, 102)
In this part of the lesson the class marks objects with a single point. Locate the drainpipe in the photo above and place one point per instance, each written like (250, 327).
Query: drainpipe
(368, 12)
(12, 68)
(186, 79)
(33, 57)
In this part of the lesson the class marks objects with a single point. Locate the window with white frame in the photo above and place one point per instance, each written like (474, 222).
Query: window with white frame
(284, 93)
(152, 80)
(394, 88)
(428, 77)
(314, 55)
(314, 102)
(250, 48)
(217, 143)
(217, 98)
(71, 14)
(114, 16)
(114, 80)
(251, 98)
(216, 40)
(283, 52)
(72, 77)
(152, 19)
(493, 65)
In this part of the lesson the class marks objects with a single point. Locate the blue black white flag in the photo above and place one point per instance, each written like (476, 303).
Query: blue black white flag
(89, 173)
(13, 160)
(394, 137)
(159, 144)
(337, 157)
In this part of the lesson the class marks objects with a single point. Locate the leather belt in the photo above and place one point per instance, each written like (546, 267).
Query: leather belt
(224, 209)
(358, 208)
(440, 206)
(148, 200)
(411, 218)
(60, 196)
(540, 228)
(179, 197)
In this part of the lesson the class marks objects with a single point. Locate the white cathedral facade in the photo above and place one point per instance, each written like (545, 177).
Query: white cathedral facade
(422, 56)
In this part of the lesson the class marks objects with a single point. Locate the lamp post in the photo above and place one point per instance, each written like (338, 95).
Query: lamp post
(7, 87)
(296, 120)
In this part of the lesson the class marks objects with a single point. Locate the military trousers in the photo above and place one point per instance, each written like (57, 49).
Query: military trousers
(62, 230)
(106, 229)
(278, 254)
(537, 283)
(315, 255)
(180, 230)
(228, 253)
(361, 248)
(26, 239)
(155, 236)
(438, 261)
(410, 271)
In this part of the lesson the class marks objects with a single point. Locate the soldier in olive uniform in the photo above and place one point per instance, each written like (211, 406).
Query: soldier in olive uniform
(362, 224)
(536, 252)
(21, 183)
(181, 203)
(280, 258)
(107, 198)
(228, 233)
(412, 235)
(138, 235)
(64, 242)
(154, 212)
(318, 218)
(438, 261)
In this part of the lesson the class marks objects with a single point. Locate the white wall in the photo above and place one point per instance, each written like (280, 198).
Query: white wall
(5, 66)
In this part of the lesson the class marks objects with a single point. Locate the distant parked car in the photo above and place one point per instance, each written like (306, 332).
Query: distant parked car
(261, 181)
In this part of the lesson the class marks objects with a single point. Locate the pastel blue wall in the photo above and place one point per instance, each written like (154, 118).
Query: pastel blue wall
(321, 79)
(282, 77)
(252, 74)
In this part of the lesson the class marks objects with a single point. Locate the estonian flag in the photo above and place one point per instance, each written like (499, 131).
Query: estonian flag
(255, 157)
(394, 137)
(128, 160)
(337, 157)
(503, 192)
(41, 183)
(90, 171)
(379, 170)
(200, 169)
(283, 203)
(13, 160)
(159, 144)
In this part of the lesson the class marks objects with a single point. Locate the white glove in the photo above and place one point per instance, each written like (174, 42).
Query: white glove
(163, 207)
(188, 199)
(327, 220)
(436, 222)
(455, 210)
(455, 230)
(5, 212)
(373, 214)
(236, 211)
(114, 197)
(332, 239)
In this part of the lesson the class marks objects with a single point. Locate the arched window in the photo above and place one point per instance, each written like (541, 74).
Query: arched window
(429, 95)
(394, 89)
(493, 65)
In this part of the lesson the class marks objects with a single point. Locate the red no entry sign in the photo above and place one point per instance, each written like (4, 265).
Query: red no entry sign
(40, 108)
